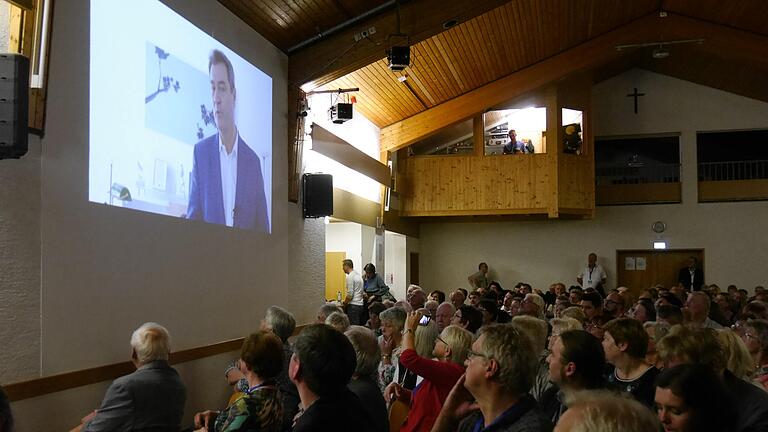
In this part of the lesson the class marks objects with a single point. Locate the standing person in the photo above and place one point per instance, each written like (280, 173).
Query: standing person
(592, 275)
(227, 186)
(374, 285)
(691, 276)
(354, 300)
(479, 279)
(151, 398)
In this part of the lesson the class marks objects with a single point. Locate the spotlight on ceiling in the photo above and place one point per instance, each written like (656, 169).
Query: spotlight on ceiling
(399, 58)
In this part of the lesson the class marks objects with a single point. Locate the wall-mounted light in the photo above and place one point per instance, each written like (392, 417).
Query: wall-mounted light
(659, 245)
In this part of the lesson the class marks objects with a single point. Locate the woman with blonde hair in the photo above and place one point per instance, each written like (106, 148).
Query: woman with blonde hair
(451, 350)
(737, 357)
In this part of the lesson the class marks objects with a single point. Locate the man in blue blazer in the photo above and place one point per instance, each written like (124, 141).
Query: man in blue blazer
(227, 186)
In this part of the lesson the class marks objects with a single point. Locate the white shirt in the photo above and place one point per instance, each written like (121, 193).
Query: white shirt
(355, 288)
(590, 279)
(228, 165)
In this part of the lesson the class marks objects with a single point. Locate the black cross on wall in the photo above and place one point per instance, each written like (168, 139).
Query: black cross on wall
(635, 95)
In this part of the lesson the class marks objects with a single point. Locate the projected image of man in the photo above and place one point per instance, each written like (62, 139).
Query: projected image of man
(227, 186)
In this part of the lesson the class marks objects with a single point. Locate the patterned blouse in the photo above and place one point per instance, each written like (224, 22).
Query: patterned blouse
(260, 409)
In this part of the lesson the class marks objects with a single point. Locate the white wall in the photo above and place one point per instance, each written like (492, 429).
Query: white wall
(396, 259)
(20, 258)
(346, 237)
(359, 132)
(542, 252)
(78, 278)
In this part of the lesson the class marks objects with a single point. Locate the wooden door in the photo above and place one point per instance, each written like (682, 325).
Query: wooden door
(642, 268)
(335, 279)
(414, 263)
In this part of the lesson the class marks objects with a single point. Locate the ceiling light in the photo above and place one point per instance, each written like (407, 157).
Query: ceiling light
(402, 78)
(450, 23)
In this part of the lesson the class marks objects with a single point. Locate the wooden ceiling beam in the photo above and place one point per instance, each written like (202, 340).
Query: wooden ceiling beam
(332, 58)
(727, 42)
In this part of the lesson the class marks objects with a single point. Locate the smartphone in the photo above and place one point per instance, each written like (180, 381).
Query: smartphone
(424, 320)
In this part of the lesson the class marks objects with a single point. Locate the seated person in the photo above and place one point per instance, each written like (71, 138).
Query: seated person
(260, 408)
(600, 410)
(625, 344)
(321, 366)
(439, 376)
(282, 323)
(325, 310)
(500, 372)
(374, 322)
(339, 321)
(467, 317)
(364, 381)
(152, 398)
(692, 397)
(576, 363)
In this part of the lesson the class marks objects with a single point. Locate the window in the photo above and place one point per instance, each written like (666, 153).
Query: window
(734, 155)
(637, 160)
(529, 126)
(453, 140)
(637, 170)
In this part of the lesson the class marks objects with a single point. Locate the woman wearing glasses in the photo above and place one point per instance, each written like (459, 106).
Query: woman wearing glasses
(755, 337)
(427, 398)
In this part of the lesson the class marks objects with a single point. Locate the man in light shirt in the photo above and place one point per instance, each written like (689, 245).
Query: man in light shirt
(354, 300)
(593, 275)
(227, 186)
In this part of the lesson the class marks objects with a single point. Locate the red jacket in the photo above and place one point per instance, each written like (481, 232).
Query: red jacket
(428, 397)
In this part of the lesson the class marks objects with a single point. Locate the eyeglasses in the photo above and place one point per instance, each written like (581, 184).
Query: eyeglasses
(472, 354)
(750, 335)
(441, 340)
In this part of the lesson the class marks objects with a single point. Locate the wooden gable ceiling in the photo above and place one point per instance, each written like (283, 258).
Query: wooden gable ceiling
(522, 33)
(482, 50)
(286, 23)
(493, 40)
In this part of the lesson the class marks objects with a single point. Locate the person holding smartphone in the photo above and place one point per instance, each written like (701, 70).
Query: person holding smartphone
(439, 375)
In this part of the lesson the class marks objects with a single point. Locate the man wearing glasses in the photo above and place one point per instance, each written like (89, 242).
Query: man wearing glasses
(500, 372)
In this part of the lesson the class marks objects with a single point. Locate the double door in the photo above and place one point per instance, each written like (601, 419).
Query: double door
(639, 269)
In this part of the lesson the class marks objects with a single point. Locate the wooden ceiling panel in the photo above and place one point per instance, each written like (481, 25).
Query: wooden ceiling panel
(286, 23)
(750, 15)
(488, 47)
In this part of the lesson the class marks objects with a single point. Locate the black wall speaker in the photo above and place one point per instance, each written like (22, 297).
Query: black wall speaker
(318, 195)
(14, 105)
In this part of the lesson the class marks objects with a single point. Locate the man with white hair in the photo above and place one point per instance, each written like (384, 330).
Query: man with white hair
(444, 314)
(151, 398)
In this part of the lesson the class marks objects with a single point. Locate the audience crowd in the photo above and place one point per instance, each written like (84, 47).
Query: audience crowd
(584, 358)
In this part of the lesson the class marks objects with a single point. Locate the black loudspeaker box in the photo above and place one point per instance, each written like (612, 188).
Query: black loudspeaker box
(14, 105)
(318, 195)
